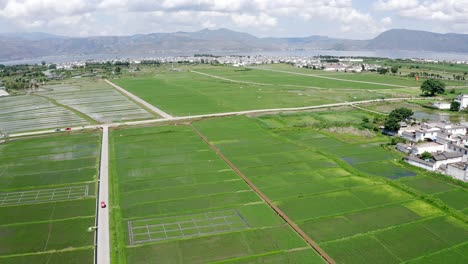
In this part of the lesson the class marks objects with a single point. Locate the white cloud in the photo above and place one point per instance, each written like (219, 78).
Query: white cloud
(262, 20)
(44, 8)
(386, 21)
(386, 5)
(58, 16)
(449, 14)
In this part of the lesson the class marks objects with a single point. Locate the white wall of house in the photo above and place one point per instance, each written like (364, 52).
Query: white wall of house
(420, 149)
(441, 105)
(463, 100)
(457, 131)
(455, 148)
(457, 173)
(3, 93)
(447, 161)
(420, 136)
(420, 165)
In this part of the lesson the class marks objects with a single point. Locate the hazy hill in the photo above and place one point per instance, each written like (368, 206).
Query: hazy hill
(34, 45)
(402, 39)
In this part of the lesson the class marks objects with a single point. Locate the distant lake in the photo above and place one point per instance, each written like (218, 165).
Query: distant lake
(393, 54)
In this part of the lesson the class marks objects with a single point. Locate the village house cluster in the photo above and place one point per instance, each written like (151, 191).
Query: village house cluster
(316, 62)
(447, 143)
(462, 99)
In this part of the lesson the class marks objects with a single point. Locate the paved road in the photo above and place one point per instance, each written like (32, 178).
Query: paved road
(141, 101)
(333, 78)
(103, 247)
(195, 117)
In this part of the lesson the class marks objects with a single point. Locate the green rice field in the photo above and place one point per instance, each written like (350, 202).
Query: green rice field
(48, 199)
(188, 93)
(175, 200)
(341, 192)
(237, 189)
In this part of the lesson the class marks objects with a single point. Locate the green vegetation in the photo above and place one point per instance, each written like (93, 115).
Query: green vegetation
(168, 175)
(426, 155)
(432, 87)
(172, 198)
(74, 256)
(454, 106)
(343, 192)
(47, 194)
(392, 122)
(177, 92)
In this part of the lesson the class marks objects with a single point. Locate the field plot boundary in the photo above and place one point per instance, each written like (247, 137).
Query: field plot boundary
(71, 109)
(286, 218)
(331, 78)
(44, 195)
(149, 106)
(214, 222)
(270, 84)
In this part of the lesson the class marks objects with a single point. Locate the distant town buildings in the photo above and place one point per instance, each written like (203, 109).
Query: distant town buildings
(347, 64)
(447, 143)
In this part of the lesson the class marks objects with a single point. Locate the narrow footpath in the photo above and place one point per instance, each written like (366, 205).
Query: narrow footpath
(103, 247)
(278, 211)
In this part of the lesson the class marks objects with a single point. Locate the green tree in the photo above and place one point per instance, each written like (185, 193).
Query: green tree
(432, 87)
(426, 155)
(394, 69)
(455, 106)
(117, 70)
(382, 70)
(401, 114)
(392, 124)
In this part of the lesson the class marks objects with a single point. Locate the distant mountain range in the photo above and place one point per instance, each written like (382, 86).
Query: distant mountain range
(16, 46)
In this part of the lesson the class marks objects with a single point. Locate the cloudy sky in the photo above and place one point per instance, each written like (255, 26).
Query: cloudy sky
(357, 19)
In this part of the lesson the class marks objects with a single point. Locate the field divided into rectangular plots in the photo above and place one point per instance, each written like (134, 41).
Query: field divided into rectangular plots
(362, 76)
(291, 76)
(28, 113)
(48, 198)
(178, 202)
(455, 196)
(323, 184)
(97, 100)
(183, 93)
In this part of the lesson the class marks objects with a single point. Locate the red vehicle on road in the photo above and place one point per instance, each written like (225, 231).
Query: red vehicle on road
(68, 128)
(103, 204)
